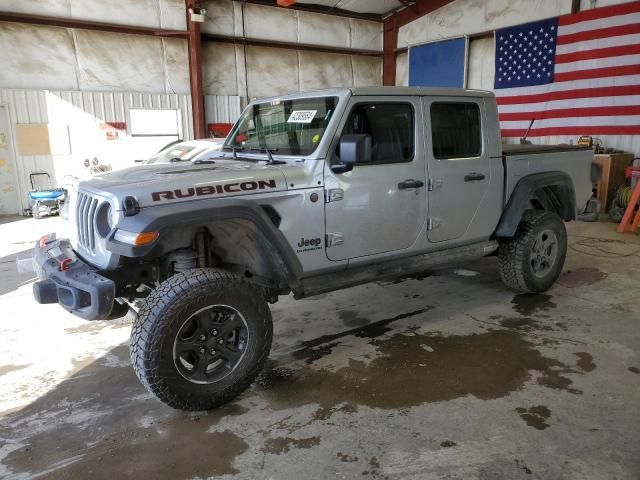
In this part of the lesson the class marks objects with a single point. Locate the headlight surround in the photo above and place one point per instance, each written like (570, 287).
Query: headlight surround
(104, 219)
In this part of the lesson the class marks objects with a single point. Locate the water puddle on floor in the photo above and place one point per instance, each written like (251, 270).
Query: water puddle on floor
(581, 277)
(527, 304)
(412, 369)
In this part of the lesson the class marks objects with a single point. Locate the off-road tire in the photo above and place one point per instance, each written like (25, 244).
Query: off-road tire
(514, 254)
(159, 321)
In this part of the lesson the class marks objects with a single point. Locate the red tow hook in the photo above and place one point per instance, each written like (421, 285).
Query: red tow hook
(65, 264)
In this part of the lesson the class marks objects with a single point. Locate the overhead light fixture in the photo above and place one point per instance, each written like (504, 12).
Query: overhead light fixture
(197, 15)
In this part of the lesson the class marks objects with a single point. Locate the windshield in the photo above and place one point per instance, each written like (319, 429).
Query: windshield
(175, 153)
(288, 127)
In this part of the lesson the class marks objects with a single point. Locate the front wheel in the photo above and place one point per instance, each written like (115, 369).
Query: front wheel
(201, 338)
(532, 260)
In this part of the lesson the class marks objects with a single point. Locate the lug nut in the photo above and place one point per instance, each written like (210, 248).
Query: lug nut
(212, 351)
(220, 341)
(203, 337)
(201, 349)
(214, 332)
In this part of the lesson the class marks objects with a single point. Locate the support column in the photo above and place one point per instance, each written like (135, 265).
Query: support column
(389, 44)
(195, 71)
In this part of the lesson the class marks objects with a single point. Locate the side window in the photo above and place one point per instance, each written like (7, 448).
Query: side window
(455, 130)
(390, 126)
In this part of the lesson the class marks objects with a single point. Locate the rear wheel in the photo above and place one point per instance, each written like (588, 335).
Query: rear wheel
(200, 339)
(532, 260)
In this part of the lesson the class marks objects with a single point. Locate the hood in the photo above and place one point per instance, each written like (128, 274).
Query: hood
(170, 183)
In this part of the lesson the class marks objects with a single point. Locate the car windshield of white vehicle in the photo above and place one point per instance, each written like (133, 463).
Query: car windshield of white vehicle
(285, 127)
(174, 153)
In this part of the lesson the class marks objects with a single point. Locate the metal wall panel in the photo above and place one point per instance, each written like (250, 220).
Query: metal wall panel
(85, 113)
(222, 108)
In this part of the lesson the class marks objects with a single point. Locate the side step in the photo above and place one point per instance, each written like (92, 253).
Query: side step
(383, 270)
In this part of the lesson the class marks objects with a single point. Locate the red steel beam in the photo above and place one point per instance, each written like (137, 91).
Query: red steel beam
(256, 42)
(392, 24)
(194, 40)
(309, 7)
(88, 25)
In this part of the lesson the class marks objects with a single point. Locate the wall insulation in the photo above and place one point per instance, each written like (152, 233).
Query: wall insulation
(167, 14)
(41, 57)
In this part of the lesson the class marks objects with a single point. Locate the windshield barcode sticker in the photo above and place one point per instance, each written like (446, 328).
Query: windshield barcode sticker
(302, 116)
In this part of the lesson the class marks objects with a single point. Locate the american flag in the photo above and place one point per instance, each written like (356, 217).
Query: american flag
(575, 74)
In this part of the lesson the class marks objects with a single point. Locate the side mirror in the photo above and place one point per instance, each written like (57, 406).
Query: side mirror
(354, 148)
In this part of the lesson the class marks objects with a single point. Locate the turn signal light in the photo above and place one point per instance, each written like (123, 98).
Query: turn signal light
(145, 238)
(44, 240)
(137, 239)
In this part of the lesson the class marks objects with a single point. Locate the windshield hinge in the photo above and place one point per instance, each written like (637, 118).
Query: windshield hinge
(434, 183)
(433, 223)
(335, 238)
(333, 195)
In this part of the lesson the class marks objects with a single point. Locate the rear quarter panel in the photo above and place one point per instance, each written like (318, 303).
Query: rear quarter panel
(575, 163)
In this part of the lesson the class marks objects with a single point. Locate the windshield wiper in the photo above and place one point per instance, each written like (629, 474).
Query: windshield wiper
(234, 149)
(271, 160)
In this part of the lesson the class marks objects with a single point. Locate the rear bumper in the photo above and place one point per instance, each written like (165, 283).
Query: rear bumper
(65, 279)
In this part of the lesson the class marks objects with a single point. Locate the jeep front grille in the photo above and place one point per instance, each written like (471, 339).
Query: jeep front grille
(86, 209)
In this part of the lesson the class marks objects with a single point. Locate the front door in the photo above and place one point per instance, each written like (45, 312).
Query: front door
(9, 201)
(380, 206)
(459, 166)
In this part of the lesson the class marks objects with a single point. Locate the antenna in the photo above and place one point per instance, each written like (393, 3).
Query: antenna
(523, 140)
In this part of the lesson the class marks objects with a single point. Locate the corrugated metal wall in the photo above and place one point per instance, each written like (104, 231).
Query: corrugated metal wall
(84, 113)
(26, 106)
(113, 106)
(222, 108)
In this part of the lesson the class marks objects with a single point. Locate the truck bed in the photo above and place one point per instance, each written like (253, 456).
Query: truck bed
(516, 149)
(522, 160)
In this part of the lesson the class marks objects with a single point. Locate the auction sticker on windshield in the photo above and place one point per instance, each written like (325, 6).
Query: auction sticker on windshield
(302, 116)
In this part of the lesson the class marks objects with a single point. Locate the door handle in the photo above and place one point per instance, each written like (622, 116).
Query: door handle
(410, 184)
(473, 177)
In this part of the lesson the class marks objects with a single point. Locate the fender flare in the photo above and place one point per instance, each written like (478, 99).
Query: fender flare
(525, 190)
(178, 223)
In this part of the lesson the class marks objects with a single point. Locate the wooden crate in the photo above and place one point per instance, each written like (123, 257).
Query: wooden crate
(613, 166)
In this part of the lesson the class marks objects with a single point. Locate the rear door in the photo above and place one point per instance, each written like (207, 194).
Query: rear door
(458, 165)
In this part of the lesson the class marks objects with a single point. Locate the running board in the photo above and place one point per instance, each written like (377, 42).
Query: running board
(383, 270)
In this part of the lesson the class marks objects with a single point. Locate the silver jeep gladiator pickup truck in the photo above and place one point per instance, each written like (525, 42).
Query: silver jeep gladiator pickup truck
(311, 192)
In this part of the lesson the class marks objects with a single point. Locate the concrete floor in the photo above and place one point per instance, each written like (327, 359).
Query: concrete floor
(449, 375)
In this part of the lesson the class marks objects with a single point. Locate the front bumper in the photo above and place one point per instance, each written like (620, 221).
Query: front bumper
(65, 279)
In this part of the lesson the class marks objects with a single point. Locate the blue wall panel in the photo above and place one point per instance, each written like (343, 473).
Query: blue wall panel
(438, 64)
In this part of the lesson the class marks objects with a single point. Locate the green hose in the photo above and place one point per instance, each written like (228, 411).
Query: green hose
(623, 196)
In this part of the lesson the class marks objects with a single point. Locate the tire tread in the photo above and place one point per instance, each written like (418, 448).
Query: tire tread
(149, 333)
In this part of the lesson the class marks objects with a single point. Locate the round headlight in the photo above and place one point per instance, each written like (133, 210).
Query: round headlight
(104, 220)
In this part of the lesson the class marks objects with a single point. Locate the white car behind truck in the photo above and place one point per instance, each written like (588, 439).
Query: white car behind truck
(311, 192)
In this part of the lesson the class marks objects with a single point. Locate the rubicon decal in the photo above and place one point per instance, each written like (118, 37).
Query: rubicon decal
(205, 190)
